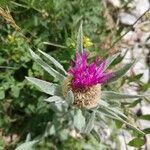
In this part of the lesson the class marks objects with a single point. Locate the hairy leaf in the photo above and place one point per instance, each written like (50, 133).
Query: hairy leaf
(116, 96)
(46, 87)
(70, 97)
(80, 39)
(110, 60)
(90, 123)
(79, 120)
(27, 145)
(121, 72)
(54, 61)
(56, 99)
(107, 112)
(46, 67)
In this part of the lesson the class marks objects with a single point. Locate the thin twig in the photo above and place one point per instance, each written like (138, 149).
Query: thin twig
(127, 30)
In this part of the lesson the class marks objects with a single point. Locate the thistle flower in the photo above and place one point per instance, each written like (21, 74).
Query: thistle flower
(85, 81)
(86, 75)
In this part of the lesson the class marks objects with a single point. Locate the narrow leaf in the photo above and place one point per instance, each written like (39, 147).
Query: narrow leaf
(28, 138)
(114, 110)
(95, 135)
(46, 67)
(118, 74)
(80, 39)
(46, 87)
(90, 123)
(133, 104)
(104, 103)
(110, 60)
(27, 145)
(113, 115)
(79, 120)
(146, 131)
(144, 117)
(116, 96)
(70, 97)
(118, 112)
(56, 99)
(54, 61)
(54, 44)
(108, 103)
(137, 142)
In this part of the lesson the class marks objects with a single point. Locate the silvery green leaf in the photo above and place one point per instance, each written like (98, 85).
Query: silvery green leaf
(56, 99)
(114, 103)
(27, 145)
(46, 87)
(113, 115)
(54, 44)
(116, 96)
(46, 67)
(90, 123)
(28, 138)
(57, 107)
(78, 120)
(50, 129)
(70, 97)
(121, 72)
(104, 103)
(110, 60)
(54, 61)
(118, 112)
(131, 126)
(63, 134)
(80, 39)
(113, 110)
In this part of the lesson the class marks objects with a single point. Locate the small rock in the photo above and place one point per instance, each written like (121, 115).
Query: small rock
(126, 18)
(115, 3)
(145, 110)
(140, 7)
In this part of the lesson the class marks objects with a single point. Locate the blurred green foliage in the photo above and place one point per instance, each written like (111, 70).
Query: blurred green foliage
(54, 22)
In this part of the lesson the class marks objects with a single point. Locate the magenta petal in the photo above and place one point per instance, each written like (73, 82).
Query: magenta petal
(87, 75)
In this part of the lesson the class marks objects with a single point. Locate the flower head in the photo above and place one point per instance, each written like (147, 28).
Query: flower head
(86, 75)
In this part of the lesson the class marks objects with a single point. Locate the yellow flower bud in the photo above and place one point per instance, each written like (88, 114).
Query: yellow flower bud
(11, 38)
(87, 42)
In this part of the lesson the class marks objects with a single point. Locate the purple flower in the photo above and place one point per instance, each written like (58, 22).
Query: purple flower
(86, 75)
